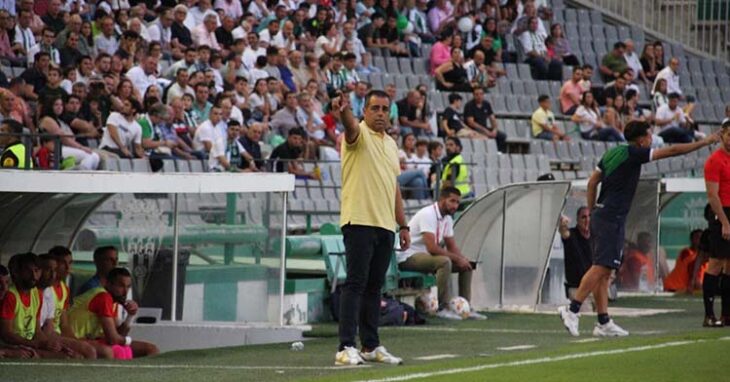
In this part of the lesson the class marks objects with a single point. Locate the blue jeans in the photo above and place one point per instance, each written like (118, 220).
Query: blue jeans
(604, 134)
(415, 181)
(677, 135)
(546, 135)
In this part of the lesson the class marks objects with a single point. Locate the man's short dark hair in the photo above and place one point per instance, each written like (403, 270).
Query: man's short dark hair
(453, 97)
(587, 66)
(619, 45)
(59, 251)
(180, 70)
(580, 210)
(272, 51)
(448, 191)
(15, 126)
(20, 260)
(101, 251)
(350, 56)
(421, 142)
(233, 122)
(203, 47)
(673, 96)
(378, 94)
(631, 93)
(4, 271)
(117, 272)
(433, 145)
(39, 55)
(456, 141)
(635, 130)
(542, 98)
(296, 131)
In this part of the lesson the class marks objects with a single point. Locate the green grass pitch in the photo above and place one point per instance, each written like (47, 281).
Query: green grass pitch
(664, 347)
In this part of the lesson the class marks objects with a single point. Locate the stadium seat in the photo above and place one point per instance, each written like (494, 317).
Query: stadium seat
(125, 165)
(141, 165)
(404, 66)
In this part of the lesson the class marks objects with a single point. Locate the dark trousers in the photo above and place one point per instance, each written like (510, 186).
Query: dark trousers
(677, 135)
(368, 251)
(501, 139)
(543, 69)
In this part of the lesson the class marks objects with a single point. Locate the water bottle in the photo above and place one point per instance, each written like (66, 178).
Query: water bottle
(644, 280)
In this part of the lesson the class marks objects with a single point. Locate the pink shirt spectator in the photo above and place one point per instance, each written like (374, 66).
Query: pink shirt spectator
(5, 49)
(201, 36)
(440, 53)
(569, 88)
(437, 15)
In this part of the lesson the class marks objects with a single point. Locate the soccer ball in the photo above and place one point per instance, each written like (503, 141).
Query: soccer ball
(427, 303)
(466, 24)
(460, 306)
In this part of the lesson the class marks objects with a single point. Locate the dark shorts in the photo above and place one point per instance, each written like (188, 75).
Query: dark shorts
(608, 233)
(719, 247)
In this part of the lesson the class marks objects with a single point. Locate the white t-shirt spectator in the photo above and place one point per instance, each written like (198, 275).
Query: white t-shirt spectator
(632, 60)
(140, 79)
(130, 132)
(533, 42)
(206, 132)
(671, 78)
(220, 149)
(428, 219)
(589, 118)
(419, 163)
(677, 116)
(250, 56)
(318, 45)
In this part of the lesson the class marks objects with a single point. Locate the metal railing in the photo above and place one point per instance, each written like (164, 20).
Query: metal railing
(703, 26)
(30, 141)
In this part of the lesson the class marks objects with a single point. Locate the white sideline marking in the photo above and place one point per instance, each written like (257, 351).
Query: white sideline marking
(436, 356)
(517, 347)
(181, 366)
(502, 331)
(724, 338)
(533, 361)
(585, 340)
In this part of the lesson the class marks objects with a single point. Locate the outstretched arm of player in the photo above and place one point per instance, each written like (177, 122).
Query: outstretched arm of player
(683, 148)
(592, 192)
(352, 130)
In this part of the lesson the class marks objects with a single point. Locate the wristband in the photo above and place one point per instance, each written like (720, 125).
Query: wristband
(404, 227)
(127, 341)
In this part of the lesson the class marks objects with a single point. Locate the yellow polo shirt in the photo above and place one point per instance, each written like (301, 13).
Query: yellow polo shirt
(369, 170)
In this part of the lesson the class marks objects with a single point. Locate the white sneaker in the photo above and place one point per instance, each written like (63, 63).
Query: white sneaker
(448, 314)
(348, 356)
(609, 329)
(476, 316)
(570, 320)
(380, 354)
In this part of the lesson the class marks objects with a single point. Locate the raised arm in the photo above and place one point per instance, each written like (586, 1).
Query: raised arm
(683, 148)
(352, 129)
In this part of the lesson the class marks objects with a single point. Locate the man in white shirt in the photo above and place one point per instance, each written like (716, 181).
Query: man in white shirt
(160, 30)
(206, 135)
(122, 133)
(252, 51)
(671, 75)
(285, 38)
(229, 154)
(180, 86)
(533, 44)
(106, 41)
(204, 34)
(45, 45)
(429, 227)
(230, 7)
(24, 37)
(632, 60)
(673, 123)
(197, 14)
(144, 75)
(191, 56)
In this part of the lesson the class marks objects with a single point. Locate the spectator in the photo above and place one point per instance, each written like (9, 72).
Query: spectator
(660, 93)
(638, 268)
(633, 62)
(286, 39)
(272, 61)
(184, 131)
(689, 269)
(180, 33)
(452, 123)
(617, 89)
(455, 172)
(224, 33)
(577, 244)
(543, 122)
(649, 63)
(392, 37)
(614, 63)
(431, 226)
(411, 115)
(201, 106)
(123, 135)
(46, 46)
(54, 18)
(673, 123)
(328, 43)
(74, 27)
(588, 117)
(144, 75)
(562, 46)
(357, 99)
(441, 17)
(52, 89)
(287, 117)
(14, 150)
(253, 51)
(251, 142)
(230, 155)
(570, 93)
(416, 13)
(481, 119)
(311, 121)
(24, 37)
(287, 156)
(51, 123)
(207, 134)
(585, 83)
(659, 55)
(411, 179)
(671, 75)
(435, 152)
(441, 51)
(106, 41)
(81, 125)
(158, 140)
(481, 74)
(259, 102)
(522, 23)
(451, 75)
(533, 44)
(180, 86)
(70, 55)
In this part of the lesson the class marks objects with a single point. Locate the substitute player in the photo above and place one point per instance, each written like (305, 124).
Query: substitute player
(618, 173)
(717, 275)
(371, 207)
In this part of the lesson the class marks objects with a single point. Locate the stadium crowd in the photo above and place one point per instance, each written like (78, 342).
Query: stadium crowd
(243, 84)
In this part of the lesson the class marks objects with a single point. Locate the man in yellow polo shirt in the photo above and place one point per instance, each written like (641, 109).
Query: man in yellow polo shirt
(371, 207)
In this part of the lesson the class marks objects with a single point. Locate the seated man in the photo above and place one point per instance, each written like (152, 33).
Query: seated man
(55, 303)
(230, 155)
(94, 316)
(480, 117)
(21, 310)
(543, 122)
(686, 277)
(411, 115)
(674, 126)
(290, 154)
(105, 259)
(8, 351)
(429, 227)
(578, 257)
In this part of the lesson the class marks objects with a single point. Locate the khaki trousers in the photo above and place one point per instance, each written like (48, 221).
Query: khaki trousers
(441, 267)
